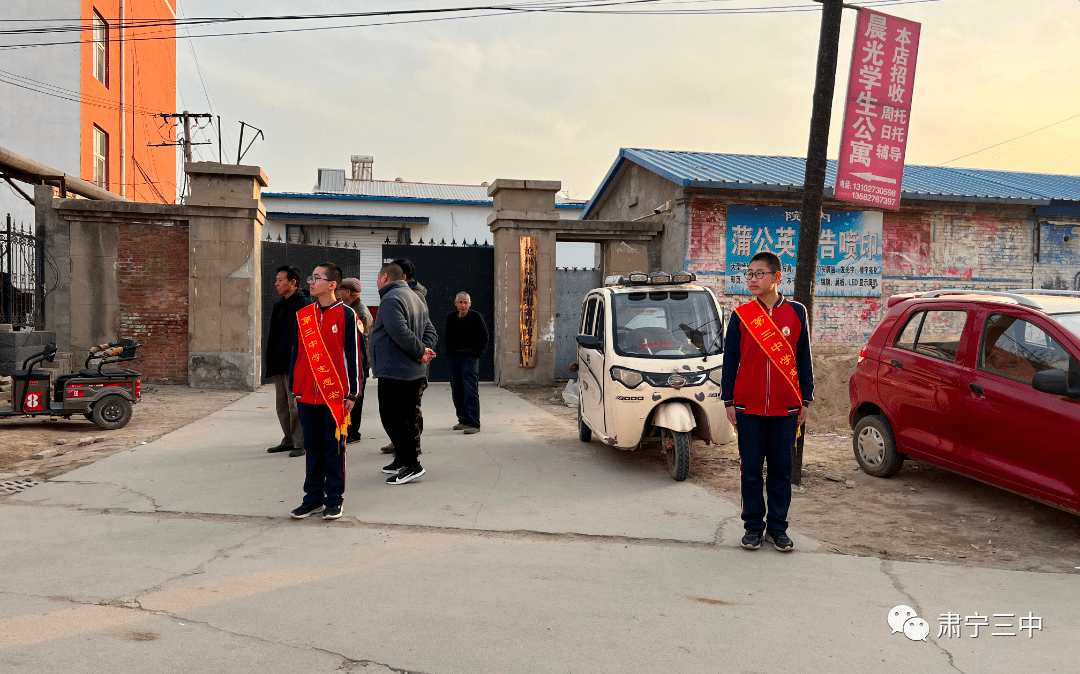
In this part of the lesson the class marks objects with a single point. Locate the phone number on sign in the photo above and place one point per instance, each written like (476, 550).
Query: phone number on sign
(873, 198)
(874, 189)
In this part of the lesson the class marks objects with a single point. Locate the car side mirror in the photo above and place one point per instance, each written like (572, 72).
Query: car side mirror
(1054, 382)
(589, 342)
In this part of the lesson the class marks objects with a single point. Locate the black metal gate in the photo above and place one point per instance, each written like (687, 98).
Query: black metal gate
(443, 270)
(22, 288)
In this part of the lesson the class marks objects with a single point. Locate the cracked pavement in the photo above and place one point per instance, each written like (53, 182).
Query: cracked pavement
(521, 550)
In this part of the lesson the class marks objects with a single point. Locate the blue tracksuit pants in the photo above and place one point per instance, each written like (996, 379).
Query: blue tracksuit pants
(325, 481)
(766, 441)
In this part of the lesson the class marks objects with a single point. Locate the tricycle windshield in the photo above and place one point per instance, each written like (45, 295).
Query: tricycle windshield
(666, 324)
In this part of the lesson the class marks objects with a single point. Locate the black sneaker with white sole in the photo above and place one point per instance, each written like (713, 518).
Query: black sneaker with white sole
(407, 474)
(780, 540)
(332, 512)
(393, 469)
(752, 540)
(305, 510)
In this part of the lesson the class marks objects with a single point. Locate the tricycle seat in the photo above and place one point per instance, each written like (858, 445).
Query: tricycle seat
(91, 372)
(30, 374)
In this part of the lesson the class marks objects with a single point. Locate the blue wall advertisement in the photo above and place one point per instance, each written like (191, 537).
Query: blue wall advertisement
(849, 249)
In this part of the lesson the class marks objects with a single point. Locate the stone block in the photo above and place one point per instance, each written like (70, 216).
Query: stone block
(205, 327)
(43, 454)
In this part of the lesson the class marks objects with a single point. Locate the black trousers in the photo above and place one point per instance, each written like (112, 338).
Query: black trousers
(325, 481)
(399, 403)
(766, 441)
(354, 416)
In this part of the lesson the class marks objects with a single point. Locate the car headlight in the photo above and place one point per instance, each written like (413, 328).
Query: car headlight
(628, 378)
(715, 374)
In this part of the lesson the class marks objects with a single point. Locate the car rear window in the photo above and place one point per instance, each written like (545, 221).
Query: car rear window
(933, 332)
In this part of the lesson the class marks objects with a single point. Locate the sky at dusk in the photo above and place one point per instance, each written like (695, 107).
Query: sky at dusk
(554, 96)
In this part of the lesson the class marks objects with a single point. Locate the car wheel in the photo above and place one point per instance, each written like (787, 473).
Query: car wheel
(112, 412)
(875, 447)
(584, 433)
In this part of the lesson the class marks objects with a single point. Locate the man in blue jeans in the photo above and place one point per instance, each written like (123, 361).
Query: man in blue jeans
(466, 338)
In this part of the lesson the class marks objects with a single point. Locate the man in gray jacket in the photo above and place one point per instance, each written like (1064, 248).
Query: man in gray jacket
(401, 347)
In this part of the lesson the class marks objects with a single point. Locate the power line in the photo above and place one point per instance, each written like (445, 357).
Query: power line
(494, 10)
(1023, 135)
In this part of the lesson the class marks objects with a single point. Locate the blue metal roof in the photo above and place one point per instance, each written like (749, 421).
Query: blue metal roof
(785, 174)
(429, 193)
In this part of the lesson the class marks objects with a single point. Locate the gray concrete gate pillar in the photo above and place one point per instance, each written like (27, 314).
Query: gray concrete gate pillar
(523, 208)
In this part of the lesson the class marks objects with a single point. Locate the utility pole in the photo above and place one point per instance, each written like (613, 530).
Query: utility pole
(814, 182)
(816, 163)
(187, 136)
(186, 142)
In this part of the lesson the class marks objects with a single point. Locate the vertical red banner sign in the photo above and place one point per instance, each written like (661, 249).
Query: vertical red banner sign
(870, 169)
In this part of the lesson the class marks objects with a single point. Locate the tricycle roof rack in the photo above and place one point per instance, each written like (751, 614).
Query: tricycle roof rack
(656, 278)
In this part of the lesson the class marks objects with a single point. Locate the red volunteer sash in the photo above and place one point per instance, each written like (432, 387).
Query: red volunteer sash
(325, 373)
(771, 340)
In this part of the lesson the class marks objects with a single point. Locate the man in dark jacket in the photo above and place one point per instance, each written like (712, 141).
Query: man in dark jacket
(401, 347)
(349, 293)
(466, 338)
(279, 343)
(408, 270)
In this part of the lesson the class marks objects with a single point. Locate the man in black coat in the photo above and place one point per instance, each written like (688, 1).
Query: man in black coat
(466, 338)
(279, 343)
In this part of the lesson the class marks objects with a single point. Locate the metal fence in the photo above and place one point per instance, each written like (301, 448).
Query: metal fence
(22, 289)
(571, 285)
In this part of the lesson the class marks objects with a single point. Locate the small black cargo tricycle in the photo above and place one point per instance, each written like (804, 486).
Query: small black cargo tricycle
(102, 394)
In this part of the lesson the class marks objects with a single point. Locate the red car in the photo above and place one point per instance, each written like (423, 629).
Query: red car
(983, 383)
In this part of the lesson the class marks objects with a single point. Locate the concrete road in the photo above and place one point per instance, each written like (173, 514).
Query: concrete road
(521, 550)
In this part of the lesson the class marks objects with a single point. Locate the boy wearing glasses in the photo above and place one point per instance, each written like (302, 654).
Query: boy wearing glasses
(327, 371)
(766, 386)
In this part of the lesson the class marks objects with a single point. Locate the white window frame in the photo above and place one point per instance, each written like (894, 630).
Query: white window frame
(101, 49)
(101, 158)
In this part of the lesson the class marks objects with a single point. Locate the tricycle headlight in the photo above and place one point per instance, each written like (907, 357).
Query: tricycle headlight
(714, 375)
(628, 378)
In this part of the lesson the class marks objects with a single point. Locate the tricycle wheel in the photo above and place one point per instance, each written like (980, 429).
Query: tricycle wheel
(584, 433)
(677, 451)
(111, 412)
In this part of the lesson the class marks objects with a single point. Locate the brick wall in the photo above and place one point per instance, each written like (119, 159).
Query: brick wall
(926, 246)
(153, 273)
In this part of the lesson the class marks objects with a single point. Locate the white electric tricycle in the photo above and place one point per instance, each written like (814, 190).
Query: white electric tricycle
(650, 351)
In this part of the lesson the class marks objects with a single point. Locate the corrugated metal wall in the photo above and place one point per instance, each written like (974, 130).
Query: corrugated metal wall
(570, 288)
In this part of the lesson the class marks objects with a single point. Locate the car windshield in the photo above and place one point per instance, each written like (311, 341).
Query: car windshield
(1070, 322)
(666, 324)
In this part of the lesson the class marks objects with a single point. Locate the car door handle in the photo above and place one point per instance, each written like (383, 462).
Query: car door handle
(896, 363)
(976, 389)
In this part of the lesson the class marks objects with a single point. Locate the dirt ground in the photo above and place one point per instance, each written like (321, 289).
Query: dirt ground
(921, 514)
(161, 410)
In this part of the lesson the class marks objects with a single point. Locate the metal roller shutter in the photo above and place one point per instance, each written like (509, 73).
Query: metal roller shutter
(369, 243)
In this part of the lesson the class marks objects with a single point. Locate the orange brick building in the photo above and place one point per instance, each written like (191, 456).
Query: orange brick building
(85, 102)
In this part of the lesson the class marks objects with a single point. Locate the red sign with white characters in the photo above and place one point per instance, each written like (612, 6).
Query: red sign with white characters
(34, 402)
(870, 170)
